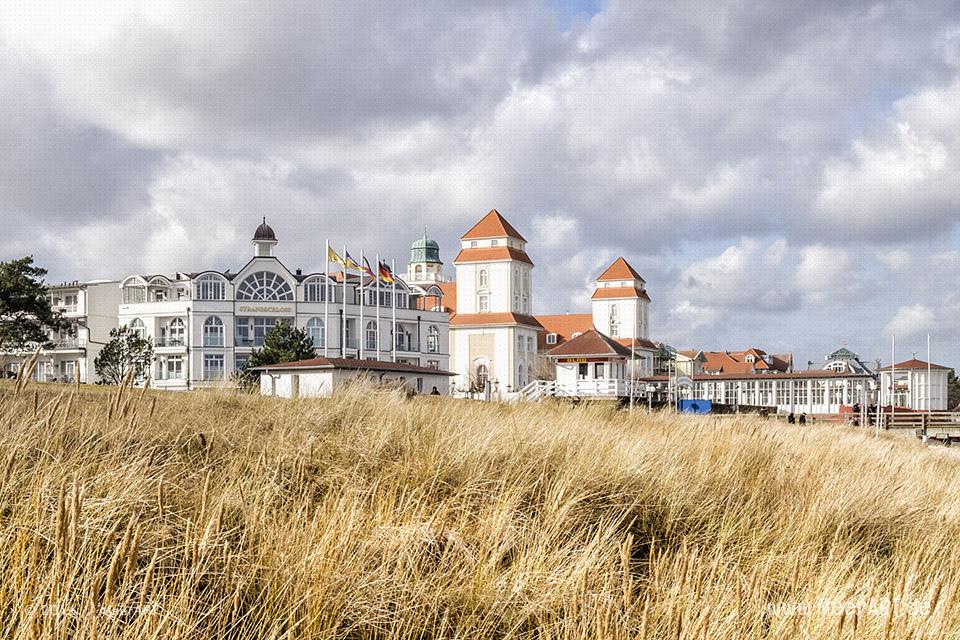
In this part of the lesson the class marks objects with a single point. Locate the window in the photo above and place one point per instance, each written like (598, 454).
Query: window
(251, 331)
(317, 331)
(482, 376)
(433, 364)
(530, 344)
(800, 391)
(402, 299)
(134, 294)
(213, 366)
(494, 243)
(240, 361)
(766, 393)
(137, 326)
(482, 278)
(433, 339)
(264, 285)
(175, 333)
(174, 368)
(751, 358)
(418, 271)
(520, 381)
(819, 390)
(551, 338)
(70, 302)
(314, 290)
(213, 332)
(614, 321)
(576, 334)
(371, 335)
(209, 287)
(484, 302)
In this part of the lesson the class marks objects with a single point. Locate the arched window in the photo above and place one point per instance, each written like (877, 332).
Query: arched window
(264, 285)
(433, 339)
(482, 377)
(136, 325)
(314, 289)
(175, 332)
(418, 271)
(209, 287)
(482, 279)
(371, 333)
(213, 332)
(317, 332)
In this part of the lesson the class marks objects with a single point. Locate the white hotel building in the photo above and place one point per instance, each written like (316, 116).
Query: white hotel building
(205, 325)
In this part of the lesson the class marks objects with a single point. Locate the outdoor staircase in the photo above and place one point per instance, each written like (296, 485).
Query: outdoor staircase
(537, 390)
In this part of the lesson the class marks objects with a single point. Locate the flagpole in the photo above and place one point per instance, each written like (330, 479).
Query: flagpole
(929, 381)
(893, 378)
(343, 320)
(326, 301)
(393, 266)
(362, 330)
(378, 306)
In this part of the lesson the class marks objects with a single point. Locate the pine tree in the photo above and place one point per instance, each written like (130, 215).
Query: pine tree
(283, 343)
(26, 316)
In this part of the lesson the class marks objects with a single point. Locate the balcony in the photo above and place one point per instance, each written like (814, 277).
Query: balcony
(69, 343)
(162, 342)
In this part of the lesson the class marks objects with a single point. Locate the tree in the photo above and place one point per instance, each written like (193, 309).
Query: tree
(953, 390)
(26, 316)
(126, 350)
(283, 343)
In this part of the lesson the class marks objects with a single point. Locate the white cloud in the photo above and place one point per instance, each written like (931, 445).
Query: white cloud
(912, 320)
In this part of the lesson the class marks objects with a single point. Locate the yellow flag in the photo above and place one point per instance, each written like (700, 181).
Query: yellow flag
(333, 257)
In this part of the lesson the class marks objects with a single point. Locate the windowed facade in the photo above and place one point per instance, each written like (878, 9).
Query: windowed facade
(264, 285)
(317, 332)
(213, 332)
(210, 287)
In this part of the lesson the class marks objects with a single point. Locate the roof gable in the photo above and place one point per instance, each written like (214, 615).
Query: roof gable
(591, 343)
(620, 270)
(913, 363)
(492, 225)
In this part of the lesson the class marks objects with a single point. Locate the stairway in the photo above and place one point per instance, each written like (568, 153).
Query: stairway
(537, 390)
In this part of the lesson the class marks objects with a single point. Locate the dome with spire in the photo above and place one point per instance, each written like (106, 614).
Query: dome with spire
(265, 232)
(425, 250)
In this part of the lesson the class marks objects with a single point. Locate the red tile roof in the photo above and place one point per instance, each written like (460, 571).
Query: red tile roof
(353, 363)
(913, 363)
(620, 270)
(449, 290)
(483, 319)
(492, 225)
(736, 361)
(604, 293)
(641, 343)
(489, 254)
(591, 343)
(564, 325)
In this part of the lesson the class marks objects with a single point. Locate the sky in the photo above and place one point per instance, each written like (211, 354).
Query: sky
(784, 175)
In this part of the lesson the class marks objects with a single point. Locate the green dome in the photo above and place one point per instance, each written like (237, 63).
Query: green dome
(425, 250)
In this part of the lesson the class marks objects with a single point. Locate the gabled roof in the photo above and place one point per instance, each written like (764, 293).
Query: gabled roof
(913, 364)
(736, 361)
(620, 270)
(491, 254)
(353, 363)
(492, 225)
(591, 343)
(639, 343)
(564, 325)
(604, 293)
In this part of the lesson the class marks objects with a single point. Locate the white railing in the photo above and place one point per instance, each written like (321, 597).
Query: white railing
(594, 388)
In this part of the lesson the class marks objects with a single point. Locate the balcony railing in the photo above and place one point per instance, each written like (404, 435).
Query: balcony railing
(68, 343)
(169, 342)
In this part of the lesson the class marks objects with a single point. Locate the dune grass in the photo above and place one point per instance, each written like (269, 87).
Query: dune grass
(212, 514)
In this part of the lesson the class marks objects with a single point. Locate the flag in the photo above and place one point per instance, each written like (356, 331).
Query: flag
(333, 257)
(385, 274)
(350, 263)
(366, 268)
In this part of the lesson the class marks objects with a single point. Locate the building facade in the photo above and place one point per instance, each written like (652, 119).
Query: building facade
(493, 334)
(91, 308)
(914, 385)
(205, 325)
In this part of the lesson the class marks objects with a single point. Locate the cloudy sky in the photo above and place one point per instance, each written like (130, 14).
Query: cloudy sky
(784, 174)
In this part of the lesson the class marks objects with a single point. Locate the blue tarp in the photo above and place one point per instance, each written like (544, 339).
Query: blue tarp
(695, 406)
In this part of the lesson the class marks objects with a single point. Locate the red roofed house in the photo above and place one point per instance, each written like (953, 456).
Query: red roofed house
(493, 335)
(918, 386)
(750, 361)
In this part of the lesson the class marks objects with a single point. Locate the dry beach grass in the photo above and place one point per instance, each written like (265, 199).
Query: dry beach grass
(213, 514)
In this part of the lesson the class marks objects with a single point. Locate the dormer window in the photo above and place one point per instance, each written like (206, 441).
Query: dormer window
(551, 338)
(494, 243)
(751, 358)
